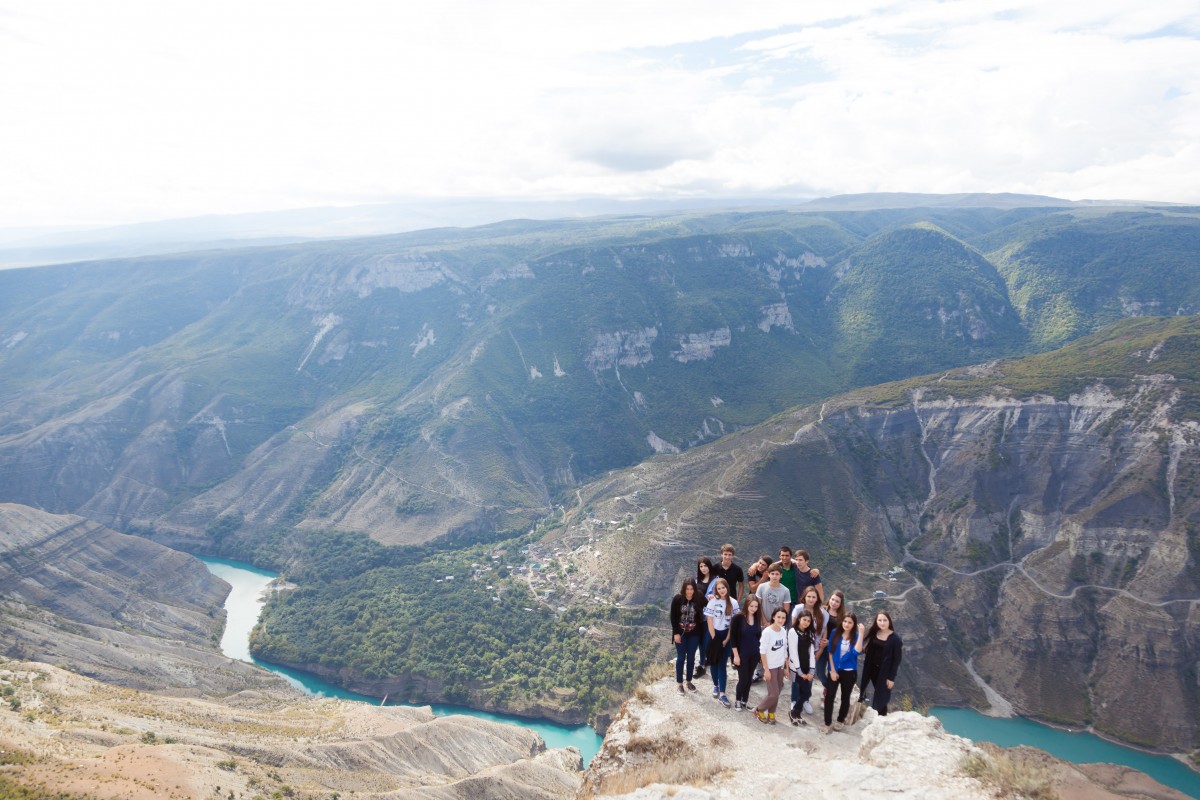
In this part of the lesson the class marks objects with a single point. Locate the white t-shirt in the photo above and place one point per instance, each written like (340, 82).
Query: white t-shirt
(773, 645)
(716, 610)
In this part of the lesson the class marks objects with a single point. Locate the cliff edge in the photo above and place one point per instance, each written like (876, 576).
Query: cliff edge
(688, 747)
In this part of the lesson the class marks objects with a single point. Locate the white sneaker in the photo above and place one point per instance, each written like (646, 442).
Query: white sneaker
(807, 707)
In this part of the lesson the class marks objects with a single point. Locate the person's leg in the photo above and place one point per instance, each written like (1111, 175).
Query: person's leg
(804, 692)
(881, 697)
(774, 687)
(745, 672)
(725, 654)
(830, 693)
(705, 639)
(680, 655)
(694, 653)
(846, 680)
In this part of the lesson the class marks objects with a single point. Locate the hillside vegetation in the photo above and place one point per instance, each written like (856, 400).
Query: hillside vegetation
(391, 421)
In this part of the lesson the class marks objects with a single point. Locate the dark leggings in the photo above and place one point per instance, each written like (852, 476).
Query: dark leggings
(881, 695)
(845, 682)
(745, 678)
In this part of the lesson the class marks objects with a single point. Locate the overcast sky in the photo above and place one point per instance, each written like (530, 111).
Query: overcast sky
(126, 111)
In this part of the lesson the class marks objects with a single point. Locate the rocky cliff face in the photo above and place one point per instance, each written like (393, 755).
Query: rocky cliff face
(1049, 541)
(114, 607)
(663, 744)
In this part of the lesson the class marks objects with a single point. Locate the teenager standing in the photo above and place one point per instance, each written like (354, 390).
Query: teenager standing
(884, 650)
(802, 660)
(731, 572)
(687, 617)
(772, 649)
(704, 579)
(844, 647)
(747, 629)
(719, 612)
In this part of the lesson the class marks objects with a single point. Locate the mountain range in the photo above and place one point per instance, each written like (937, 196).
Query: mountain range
(584, 406)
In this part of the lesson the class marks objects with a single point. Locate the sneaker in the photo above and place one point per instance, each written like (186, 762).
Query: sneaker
(807, 707)
(838, 726)
(738, 705)
(771, 719)
(691, 686)
(761, 716)
(827, 729)
(699, 673)
(681, 689)
(793, 717)
(725, 701)
(716, 693)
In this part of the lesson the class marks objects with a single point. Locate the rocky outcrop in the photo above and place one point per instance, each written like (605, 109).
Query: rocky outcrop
(1049, 540)
(114, 607)
(664, 744)
(71, 734)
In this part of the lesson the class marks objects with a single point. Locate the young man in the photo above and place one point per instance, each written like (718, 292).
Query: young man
(808, 576)
(756, 573)
(731, 572)
(773, 594)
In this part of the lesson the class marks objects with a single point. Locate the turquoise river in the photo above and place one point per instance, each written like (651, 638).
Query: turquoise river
(245, 604)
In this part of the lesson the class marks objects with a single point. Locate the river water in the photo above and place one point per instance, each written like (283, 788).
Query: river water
(1078, 748)
(246, 600)
(244, 605)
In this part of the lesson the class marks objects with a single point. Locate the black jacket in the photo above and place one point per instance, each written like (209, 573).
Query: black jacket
(677, 613)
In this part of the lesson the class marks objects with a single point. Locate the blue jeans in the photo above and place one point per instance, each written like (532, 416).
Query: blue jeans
(823, 669)
(685, 650)
(704, 640)
(718, 670)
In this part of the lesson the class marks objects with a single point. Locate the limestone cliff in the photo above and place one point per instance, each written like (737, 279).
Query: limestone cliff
(1036, 519)
(664, 744)
(114, 607)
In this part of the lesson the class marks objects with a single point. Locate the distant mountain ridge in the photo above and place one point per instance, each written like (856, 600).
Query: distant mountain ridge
(460, 382)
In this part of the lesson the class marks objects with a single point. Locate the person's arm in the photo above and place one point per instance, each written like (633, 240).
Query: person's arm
(862, 638)
(712, 627)
(899, 648)
(676, 616)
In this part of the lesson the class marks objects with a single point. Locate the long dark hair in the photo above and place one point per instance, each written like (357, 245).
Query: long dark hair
(804, 613)
(683, 589)
(841, 632)
(706, 561)
(874, 629)
(835, 622)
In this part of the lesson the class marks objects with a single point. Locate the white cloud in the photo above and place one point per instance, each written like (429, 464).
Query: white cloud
(124, 111)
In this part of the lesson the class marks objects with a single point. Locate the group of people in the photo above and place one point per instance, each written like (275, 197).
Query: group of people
(774, 622)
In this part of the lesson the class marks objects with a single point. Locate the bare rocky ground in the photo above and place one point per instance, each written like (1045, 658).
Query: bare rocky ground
(689, 747)
(71, 734)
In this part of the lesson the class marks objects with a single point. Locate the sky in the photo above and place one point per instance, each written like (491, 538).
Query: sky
(115, 112)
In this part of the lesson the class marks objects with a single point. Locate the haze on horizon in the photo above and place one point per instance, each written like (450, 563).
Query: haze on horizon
(120, 113)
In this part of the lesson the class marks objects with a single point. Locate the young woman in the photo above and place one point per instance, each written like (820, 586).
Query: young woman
(844, 647)
(719, 612)
(704, 578)
(687, 617)
(747, 628)
(773, 652)
(834, 612)
(802, 641)
(884, 651)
